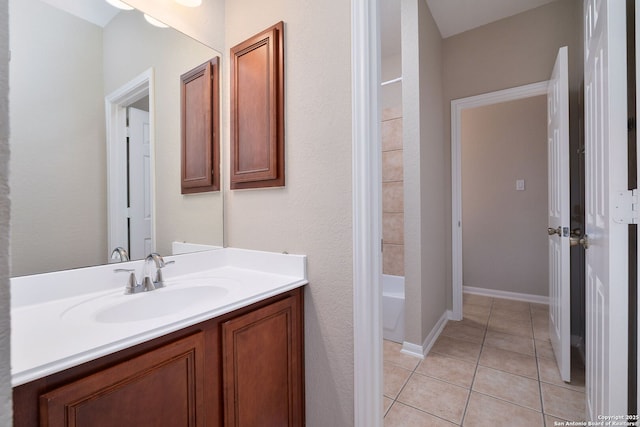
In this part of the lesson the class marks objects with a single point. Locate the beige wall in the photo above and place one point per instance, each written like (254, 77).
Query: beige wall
(511, 52)
(504, 245)
(5, 321)
(424, 180)
(58, 164)
(131, 46)
(312, 214)
(391, 94)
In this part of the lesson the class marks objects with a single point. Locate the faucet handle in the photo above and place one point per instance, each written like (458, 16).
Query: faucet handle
(159, 283)
(132, 284)
(148, 284)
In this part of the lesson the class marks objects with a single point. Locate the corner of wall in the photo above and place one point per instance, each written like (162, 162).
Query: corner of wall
(5, 321)
(425, 180)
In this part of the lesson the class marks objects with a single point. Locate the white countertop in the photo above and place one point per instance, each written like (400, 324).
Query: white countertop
(52, 315)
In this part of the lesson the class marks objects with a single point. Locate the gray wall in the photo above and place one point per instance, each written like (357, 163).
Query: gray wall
(511, 52)
(424, 172)
(5, 321)
(58, 162)
(504, 243)
(391, 94)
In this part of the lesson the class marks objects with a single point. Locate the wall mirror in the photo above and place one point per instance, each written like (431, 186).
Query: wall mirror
(66, 71)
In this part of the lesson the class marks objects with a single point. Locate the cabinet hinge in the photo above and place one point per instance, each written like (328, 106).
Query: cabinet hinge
(626, 207)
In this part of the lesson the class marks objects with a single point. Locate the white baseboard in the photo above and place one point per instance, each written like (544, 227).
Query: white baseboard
(538, 299)
(422, 350)
(412, 349)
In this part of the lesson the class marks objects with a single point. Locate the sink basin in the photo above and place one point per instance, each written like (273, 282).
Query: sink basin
(145, 305)
(157, 303)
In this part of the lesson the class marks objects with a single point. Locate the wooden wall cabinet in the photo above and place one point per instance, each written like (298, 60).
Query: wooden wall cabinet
(200, 128)
(257, 110)
(243, 369)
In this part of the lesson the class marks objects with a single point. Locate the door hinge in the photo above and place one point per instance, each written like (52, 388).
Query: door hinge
(625, 210)
(127, 131)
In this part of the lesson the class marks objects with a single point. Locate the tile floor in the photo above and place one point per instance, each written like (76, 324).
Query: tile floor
(493, 368)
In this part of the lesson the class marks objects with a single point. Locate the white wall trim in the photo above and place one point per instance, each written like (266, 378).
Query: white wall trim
(516, 296)
(412, 349)
(116, 116)
(421, 351)
(367, 214)
(457, 107)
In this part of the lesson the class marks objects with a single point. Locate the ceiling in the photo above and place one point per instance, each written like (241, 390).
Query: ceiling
(451, 16)
(98, 12)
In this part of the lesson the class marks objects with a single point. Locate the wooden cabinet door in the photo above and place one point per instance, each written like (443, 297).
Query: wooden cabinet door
(163, 387)
(262, 366)
(200, 128)
(257, 110)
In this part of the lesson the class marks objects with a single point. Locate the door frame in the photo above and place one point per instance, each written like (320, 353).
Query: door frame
(457, 107)
(637, 97)
(116, 104)
(366, 182)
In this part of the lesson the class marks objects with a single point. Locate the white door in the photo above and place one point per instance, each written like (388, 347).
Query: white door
(558, 210)
(605, 87)
(140, 242)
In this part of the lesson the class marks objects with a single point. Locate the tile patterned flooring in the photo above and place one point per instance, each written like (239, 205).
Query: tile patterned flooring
(493, 368)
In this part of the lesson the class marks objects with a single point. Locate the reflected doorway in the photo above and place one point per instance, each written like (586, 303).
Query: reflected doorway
(130, 167)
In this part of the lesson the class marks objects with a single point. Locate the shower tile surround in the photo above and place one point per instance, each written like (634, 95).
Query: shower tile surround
(392, 193)
(481, 373)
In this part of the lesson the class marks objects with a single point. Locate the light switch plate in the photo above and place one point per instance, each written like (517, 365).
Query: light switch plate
(520, 184)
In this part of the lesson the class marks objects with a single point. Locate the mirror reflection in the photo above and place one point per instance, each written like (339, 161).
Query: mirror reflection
(69, 77)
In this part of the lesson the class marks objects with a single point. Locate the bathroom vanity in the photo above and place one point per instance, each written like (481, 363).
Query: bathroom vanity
(235, 357)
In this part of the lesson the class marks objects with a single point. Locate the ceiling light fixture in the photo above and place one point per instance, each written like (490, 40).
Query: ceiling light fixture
(155, 22)
(189, 3)
(119, 4)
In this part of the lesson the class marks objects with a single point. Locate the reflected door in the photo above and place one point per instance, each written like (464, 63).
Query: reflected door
(139, 172)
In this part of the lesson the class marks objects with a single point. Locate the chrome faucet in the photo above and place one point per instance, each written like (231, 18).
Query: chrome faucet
(149, 284)
(120, 254)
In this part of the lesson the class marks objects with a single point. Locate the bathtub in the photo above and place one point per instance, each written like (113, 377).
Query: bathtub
(393, 308)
